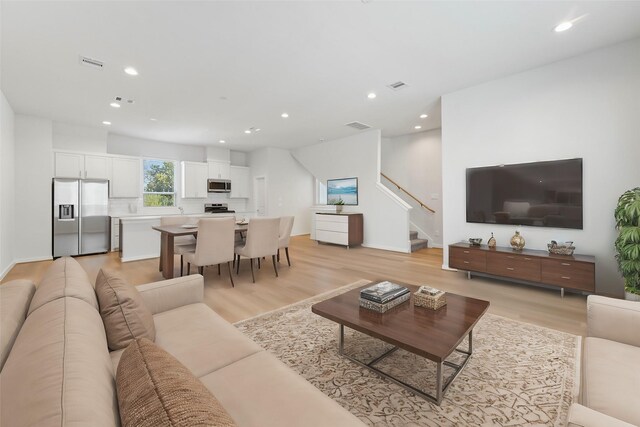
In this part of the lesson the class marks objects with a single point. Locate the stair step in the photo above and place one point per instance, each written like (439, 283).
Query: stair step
(417, 244)
(413, 235)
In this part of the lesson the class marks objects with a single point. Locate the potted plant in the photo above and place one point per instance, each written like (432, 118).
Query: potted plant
(339, 205)
(627, 215)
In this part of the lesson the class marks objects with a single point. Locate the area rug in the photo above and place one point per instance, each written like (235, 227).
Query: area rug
(519, 374)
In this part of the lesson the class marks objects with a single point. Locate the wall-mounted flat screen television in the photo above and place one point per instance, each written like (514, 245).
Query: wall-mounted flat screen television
(540, 194)
(345, 189)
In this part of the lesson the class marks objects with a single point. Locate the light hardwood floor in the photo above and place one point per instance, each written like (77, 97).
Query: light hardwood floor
(317, 268)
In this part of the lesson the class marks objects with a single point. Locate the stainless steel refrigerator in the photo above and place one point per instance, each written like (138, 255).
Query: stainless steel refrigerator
(81, 223)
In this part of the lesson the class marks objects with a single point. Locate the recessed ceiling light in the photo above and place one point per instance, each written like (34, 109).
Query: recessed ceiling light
(563, 26)
(247, 131)
(257, 130)
(131, 71)
(371, 95)
(106, 123)
(153, 120)
(222, 141)
(423, 116)
(284, 115)
(417, 127)
(115, 105)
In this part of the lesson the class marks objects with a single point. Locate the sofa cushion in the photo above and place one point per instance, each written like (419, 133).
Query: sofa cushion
(261, 391)
(15, 297)
(154, 389)
(612, 379)
(201, 339)
(64, 278)
(123, 312)
(59, 371)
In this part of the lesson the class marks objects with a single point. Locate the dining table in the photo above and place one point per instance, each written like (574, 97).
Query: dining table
(168, 233)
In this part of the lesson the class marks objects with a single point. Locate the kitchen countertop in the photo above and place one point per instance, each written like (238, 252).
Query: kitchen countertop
(146, 217)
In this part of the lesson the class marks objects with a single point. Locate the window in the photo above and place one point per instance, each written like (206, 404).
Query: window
(159, 183)
(321, 193)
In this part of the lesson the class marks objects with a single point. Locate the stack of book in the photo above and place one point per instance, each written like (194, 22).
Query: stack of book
(383, 296)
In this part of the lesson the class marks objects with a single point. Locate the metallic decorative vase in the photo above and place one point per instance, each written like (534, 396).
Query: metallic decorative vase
(491, 242)
(517, 241)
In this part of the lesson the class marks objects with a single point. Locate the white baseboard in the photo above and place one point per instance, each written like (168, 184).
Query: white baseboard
(447, 268)
(6, 270)
(34, 259)
(139, 257)
(388, 248)
(436, 245)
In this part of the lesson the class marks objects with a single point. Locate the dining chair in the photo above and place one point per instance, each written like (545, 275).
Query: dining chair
(261, 241)
(215, 245)
(181, 244)
(286, 224)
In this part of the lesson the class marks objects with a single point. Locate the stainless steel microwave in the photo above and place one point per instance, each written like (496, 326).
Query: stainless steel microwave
(219, 186)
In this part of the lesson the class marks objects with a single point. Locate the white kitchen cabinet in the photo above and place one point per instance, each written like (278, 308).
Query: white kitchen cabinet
(218, 170)
(125, 180)
(194, 180)
(74, 165)
(240, 180)
(97, 167)
(69, 165)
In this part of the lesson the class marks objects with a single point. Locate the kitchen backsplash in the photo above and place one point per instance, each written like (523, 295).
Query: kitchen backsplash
(191, 206)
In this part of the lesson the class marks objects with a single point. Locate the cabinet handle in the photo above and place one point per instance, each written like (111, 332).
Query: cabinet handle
(510, 268)
(527, 259)
(566, 263)
(466, 252)
(566, 277)
(510, 257)
(466, 262)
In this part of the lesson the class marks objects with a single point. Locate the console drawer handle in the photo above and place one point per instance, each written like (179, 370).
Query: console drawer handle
(566, 277)
(510, 257)
(510, 268)
(566, 263)
(527, 259)
(466, 262)
(466, 252)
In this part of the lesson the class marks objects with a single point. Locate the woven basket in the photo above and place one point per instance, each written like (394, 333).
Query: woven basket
(561, 250)
(434, 302)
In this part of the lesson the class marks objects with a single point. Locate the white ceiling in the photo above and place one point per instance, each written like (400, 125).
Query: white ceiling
(210, 70)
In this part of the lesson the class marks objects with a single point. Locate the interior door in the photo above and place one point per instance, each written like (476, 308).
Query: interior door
(260, 193)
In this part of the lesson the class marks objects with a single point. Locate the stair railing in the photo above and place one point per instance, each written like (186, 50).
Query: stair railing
(408, 193)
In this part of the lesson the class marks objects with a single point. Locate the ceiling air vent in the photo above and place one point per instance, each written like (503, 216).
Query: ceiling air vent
(358, 125)
(93, 63)
(397, 85)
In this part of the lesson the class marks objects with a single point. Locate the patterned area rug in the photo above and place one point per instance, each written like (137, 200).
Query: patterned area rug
(519, 374)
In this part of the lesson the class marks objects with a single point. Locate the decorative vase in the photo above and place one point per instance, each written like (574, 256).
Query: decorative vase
(339, 208)
(491, 242)
(517, 241)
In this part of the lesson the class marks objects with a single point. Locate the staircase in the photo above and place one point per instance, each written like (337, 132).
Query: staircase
(417, 244)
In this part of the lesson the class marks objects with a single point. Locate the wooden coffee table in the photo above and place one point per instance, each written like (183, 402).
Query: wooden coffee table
(434, 335)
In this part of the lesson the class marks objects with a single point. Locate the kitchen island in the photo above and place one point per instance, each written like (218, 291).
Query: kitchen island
(139, 241)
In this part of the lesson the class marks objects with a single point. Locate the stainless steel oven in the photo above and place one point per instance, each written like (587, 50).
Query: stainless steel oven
(219, 186)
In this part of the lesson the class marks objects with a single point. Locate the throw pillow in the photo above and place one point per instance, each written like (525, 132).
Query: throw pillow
(155, 389)
(123, 312)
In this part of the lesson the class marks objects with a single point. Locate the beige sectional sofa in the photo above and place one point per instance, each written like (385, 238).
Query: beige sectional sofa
(610, 365)
(59, 370)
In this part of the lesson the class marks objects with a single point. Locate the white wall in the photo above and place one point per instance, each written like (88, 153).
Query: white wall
(587, 106)
(129, 146)
(33, 174)
(7, 186)
(79, 138)
(415, 162)
(289, 186)
(386, 217)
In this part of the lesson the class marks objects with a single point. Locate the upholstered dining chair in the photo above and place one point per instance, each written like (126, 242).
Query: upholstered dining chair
(214, 246)
(286, 224)
(181, 244)
(261, 241)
